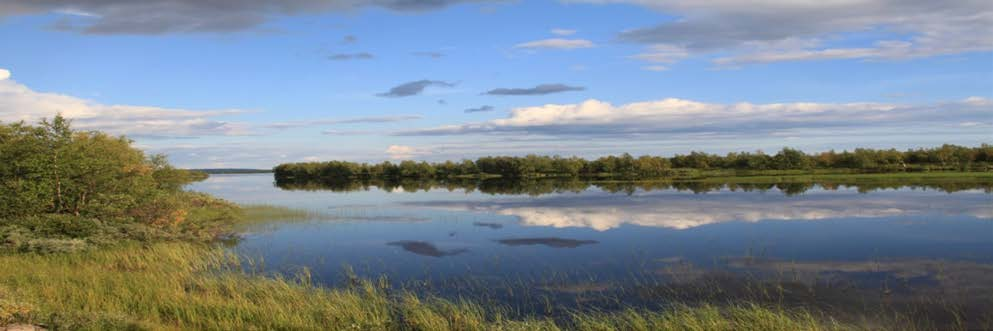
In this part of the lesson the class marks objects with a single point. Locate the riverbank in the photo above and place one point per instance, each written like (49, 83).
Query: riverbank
(198, 286)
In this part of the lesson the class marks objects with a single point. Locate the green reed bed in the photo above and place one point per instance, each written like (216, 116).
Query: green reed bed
(262, 215)
(271, 213)
(194, 286)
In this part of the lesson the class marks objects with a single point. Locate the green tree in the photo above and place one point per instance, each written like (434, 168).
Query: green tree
(791, 159)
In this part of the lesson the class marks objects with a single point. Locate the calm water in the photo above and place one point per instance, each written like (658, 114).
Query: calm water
(637, 246)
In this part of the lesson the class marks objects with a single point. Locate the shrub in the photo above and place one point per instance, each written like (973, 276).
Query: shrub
(65, 190)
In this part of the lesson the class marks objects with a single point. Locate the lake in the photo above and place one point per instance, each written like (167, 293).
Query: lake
(548, 247)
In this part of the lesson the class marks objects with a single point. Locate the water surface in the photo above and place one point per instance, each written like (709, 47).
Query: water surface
(616, 245)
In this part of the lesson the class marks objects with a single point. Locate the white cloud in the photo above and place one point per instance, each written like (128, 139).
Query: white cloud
(667, 54)
(185, 16)
(4, 74)
(557, 43)
(354, 120)
(594, 117)
(400, 152)
(563, 32)
(977, 101)
(881, 50)
(656, 68)
(744, 32)
(20, 103)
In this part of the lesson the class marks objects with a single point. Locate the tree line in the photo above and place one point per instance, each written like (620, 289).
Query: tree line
(536, 187)
(943, 158)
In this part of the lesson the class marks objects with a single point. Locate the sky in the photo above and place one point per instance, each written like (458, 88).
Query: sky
(255, 83)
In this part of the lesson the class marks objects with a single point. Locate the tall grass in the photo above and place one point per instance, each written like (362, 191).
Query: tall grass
(272, 213)
(739, 317)
(191, 286)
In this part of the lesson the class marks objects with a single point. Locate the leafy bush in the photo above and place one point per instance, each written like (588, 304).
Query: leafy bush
(63, 190)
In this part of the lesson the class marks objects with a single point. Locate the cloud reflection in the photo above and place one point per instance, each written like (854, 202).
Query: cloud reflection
(548, 241)
(682, 211)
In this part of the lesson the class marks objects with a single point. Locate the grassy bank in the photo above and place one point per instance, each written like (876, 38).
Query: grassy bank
(196, 218)
(195, 286)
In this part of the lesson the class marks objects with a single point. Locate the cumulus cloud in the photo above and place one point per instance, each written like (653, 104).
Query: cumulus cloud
(185, 16)
(351, 56)
(785, 30)
(537, 90)
(556, 43)
(401, 152)
(595, 117)
(413, 88)
(20, 103)
(356, 120)
(480, 109)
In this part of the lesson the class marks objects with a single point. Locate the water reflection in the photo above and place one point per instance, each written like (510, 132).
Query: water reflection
(552, 246)
(940, 291)
(494, 226)
(425, 248)
(553, 186)
(549, 241)
(603, 212)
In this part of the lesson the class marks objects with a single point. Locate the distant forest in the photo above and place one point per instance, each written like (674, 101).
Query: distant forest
(944, 158)
(222, 171)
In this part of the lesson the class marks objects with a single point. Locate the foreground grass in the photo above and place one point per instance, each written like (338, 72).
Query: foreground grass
(193, 286)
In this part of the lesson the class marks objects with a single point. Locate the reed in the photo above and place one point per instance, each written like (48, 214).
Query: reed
(167, 286)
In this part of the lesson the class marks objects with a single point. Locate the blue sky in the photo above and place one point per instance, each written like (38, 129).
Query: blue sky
(255, 83)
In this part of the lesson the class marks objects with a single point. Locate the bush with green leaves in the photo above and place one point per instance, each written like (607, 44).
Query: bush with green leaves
(62, 190)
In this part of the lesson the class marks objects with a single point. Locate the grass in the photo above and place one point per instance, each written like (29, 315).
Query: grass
(255, 214)
(741, 317)
(202, 218)
(168, 286)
